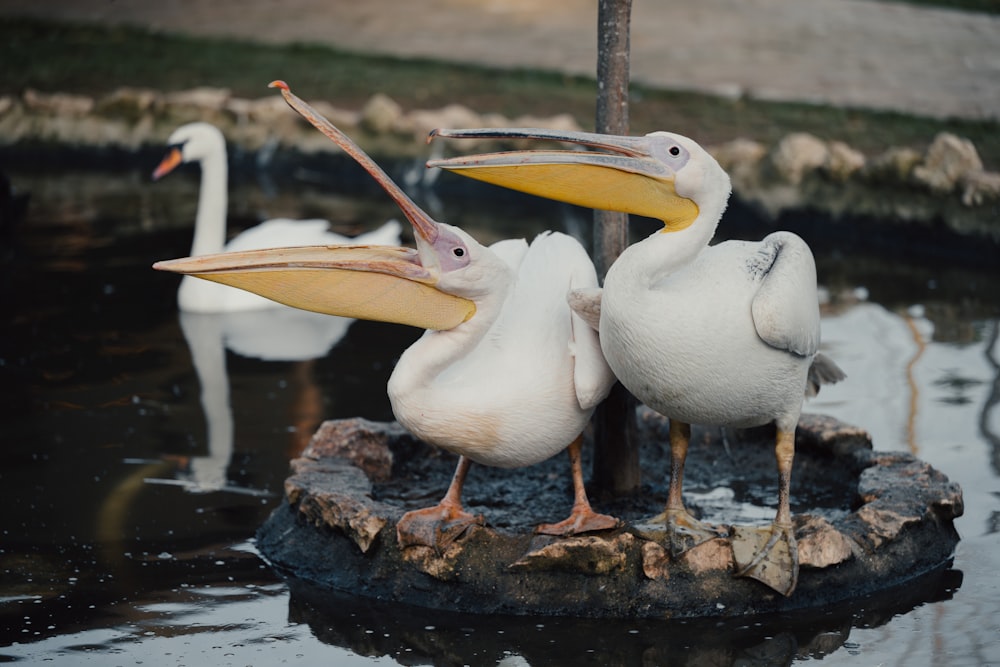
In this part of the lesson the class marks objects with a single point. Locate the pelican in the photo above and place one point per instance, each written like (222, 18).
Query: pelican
(203, 143)
(505, 375)
(723, 335)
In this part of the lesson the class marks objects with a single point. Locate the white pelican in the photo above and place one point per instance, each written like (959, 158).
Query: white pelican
(506, 374)
(725, 335)
(203, 143)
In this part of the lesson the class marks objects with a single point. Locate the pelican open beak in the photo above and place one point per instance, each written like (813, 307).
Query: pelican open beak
(382, 283)
(632, 174)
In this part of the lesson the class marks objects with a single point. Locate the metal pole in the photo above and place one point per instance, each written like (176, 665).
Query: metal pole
(616, 450)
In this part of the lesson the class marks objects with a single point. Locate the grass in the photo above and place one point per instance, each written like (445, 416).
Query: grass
(95, 60)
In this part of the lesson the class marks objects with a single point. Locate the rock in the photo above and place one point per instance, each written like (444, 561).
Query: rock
(422, 121)
(204, 98)
(655, 561)
(58, 104)
(980, 187)
(585, 554)
(742, 159)
(948, 160)
(797, 155)
(843, 162)
(713, 555)
(336, 494)
(380, 115)
(129, 103)
(360, 442)
(561, 122)
(828, 434)
(893, 167)
(820, 544)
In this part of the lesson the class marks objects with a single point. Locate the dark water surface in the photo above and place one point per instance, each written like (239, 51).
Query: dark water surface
(141, 450)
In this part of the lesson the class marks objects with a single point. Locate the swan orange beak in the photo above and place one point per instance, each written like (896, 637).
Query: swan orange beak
(168, 163)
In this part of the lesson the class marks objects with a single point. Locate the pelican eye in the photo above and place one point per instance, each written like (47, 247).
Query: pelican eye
(451, 250)
(669, 151)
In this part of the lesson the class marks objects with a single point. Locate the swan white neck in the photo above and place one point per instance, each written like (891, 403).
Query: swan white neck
(210, 220)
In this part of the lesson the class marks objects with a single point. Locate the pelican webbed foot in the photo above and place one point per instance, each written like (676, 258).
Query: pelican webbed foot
(436, 527)
(581, 520)
(768, 554)
(678, 530)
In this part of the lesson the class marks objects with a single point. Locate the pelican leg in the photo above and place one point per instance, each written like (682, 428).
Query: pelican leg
(770, 554)
(583, 518)
(682, 531)
(439, 526)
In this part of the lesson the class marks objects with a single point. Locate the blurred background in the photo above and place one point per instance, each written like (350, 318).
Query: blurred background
(143, 446)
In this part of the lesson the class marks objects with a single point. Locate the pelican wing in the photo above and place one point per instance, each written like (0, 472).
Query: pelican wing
(586, 303)
(785, 308)
(592, 376)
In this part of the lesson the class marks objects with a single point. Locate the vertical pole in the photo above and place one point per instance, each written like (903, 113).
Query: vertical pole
(616, 447)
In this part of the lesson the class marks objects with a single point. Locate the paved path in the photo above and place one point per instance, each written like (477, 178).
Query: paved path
(863, 53)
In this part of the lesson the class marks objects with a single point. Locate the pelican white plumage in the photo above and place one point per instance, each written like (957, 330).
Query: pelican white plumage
(725, 334)
(506, 374)
(203, 143)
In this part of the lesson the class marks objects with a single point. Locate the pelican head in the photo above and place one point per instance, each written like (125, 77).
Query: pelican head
(433, 287)
(662, 175)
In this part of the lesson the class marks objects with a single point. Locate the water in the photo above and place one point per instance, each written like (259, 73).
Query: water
(140, 454)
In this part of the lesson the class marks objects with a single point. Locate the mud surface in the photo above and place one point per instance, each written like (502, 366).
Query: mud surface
(518, 500)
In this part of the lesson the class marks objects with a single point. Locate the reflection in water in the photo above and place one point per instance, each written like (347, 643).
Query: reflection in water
(911, 422)
(414, 636)
(988, 427)
(277, 334)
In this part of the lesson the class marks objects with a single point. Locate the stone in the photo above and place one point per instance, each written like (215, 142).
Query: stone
(893, 167)
(742, 159)
(843, 162)
(380, 114)
(205, 98)
(798, 155)
(337, 495)
(655, 561)
(713, 555)
(980, 187)
(586, 554)
(358, 441)
(820, 544)
(948, 160)
(58, 104)
(423, 121)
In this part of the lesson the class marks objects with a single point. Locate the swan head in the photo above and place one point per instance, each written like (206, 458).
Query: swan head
(662, 175)
(193, 142)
